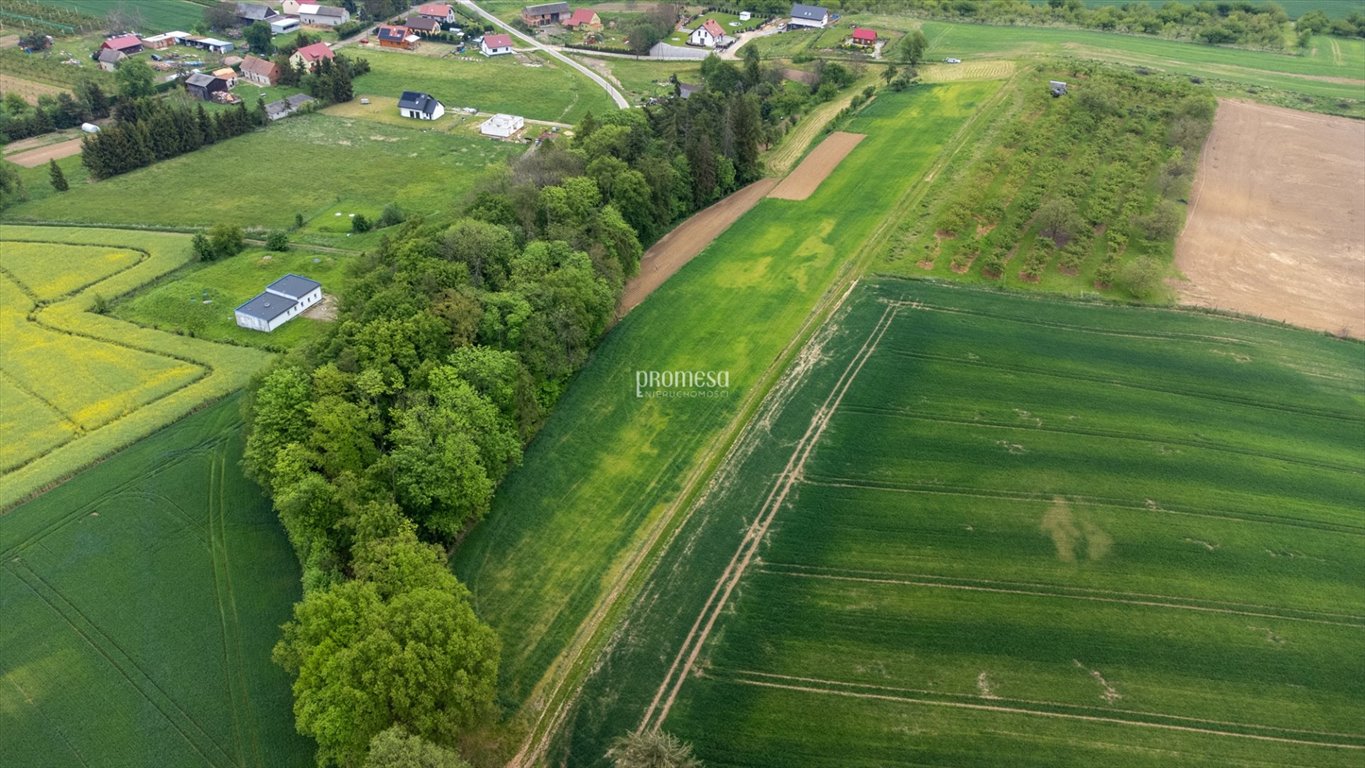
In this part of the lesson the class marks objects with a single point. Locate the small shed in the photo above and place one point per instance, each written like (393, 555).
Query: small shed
(284, 25)
(109, 59)
(502, 126)
(286, 107)
(863, 37)
(1057, 87)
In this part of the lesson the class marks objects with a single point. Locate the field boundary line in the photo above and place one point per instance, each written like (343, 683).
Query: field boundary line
(112, 652)
(910, 582)
(825, 481)
(753, 538)
(935, 697)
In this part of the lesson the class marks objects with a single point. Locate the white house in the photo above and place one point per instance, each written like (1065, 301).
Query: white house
(420, 106)
(808, 16)
(502, 126)
(495, 45)
(323, 15)
(707, 35)
(283, 300)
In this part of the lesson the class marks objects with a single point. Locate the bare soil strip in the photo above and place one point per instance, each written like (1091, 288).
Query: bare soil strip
(1040, 713)
(820, 163)
(684, 243)
(1277, 219)
(749, 673)
(36, 157)
(793, 145)
(753, 538)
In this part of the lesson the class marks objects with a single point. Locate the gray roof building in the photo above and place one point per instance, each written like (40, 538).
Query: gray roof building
(293, 286)
(266, 306)
(421, 102)
(254, 12)
(809, 12)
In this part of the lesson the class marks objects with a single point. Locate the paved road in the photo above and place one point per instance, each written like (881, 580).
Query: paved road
(591, 75)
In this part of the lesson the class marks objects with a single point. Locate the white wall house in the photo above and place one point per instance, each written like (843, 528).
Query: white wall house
(495, 45)
(420, 106)
(282, 301)
(708, 35)
(808, 16)
(502, 126)
(323, 15)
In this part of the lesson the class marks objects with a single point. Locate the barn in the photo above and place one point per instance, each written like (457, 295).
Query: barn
(203, 86)
(546, 13)
(282, 301)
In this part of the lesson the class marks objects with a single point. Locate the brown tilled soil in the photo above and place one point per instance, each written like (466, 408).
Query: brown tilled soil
(800, 183)
(36, 157)
(1277, 218)
(686, 241)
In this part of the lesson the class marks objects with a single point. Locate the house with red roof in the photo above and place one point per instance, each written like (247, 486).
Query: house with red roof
(441, 12)
(865, 38)
(495, 45)
(260, 71)
(708, 35)
(124, 44)
(585, 18)
(309, 56)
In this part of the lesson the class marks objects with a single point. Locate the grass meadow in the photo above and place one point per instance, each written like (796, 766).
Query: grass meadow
(307, 164)
(199, 299)
(1295, 8)
(1070, 533)
(86, 384)
(546, 91)
(608, 464)
(141, 600)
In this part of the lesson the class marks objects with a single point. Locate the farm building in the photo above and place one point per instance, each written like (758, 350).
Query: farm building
(282, 301)
(420, 106)
(228, 74)
(585, 18)
(495, 45)
(204, 86)
(164, 40)
(109, 59)
(502, 126)
(863, 37)
(397, 37)
(808, 16)
(1057, 87)
(439, 12)
(249, 13)
(323, 15)
(276, 110)
(290, 7)
(708, 35)
(422, 25)
(547, 13)
(308, 56)
(284, 25)
(260, 71)
(124, 44)
(211, 44)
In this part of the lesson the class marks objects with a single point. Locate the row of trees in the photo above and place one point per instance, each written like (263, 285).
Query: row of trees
(383, 443)
(150, 130)
(19, 120)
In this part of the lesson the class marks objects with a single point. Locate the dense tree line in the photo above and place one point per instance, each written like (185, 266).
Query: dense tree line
(149, 130)
(19, 120)
(382, 444)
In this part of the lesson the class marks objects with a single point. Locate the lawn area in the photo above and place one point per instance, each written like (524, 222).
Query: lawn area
(985, 524)
(85, 385)
(199, 299)
(605, 473)
(141, 600)
(549, 91)
(643, 79)
(156, 15)
(263, 178)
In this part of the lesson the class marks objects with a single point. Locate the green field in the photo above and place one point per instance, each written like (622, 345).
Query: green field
(141, 600)
(550, 91)
(986, 525)
(1335, 9)
(643, 79)
(157, 15)
(606, 470)
(307, 164)
(79, 385)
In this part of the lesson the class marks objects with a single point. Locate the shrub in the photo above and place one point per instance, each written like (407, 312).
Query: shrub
(1141, 278)
(360, 224)
(390, 216)
(277, 241)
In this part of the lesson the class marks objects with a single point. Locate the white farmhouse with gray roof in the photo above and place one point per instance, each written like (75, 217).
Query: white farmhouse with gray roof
(283, 300)
(808, 16)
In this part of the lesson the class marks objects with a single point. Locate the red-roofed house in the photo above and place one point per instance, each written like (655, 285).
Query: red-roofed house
(260, 71)
(308, 56)
(495, 45)
(585, 18)
(863, 37)
(441, 12)
(708, 34)
(124, 44)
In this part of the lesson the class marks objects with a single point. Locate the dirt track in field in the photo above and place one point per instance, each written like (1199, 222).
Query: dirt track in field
(686, 241)
(1277, 219)
(800, 183)
(36, 157)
